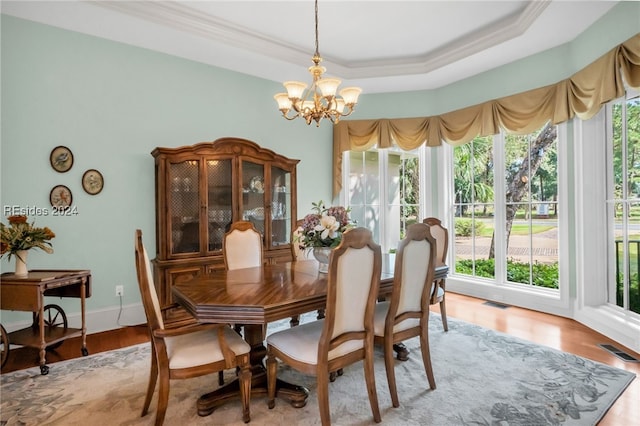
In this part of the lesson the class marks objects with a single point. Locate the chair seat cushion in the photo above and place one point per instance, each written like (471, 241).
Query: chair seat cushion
(301, 343)
(380, 317)
(202, 347)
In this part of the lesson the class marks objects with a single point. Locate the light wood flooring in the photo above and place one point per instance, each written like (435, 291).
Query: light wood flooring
(556, 332)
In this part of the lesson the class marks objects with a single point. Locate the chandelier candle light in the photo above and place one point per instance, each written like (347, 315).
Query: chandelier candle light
(320, 100)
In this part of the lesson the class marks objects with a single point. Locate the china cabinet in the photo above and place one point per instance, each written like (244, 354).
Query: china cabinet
(203, 188)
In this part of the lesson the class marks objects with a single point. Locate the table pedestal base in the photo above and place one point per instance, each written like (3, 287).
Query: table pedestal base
(401, 351)
(294, 394)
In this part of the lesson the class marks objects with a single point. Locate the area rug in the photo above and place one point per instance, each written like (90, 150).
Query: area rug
(483, 377)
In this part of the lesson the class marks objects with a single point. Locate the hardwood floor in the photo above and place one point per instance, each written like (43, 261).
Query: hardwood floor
(556, 332)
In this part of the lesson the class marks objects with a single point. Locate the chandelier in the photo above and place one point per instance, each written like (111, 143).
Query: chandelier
(320, 100)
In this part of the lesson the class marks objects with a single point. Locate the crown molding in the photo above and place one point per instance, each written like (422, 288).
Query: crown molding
(182, 17)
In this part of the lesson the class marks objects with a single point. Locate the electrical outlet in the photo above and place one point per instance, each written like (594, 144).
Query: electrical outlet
(119, 290)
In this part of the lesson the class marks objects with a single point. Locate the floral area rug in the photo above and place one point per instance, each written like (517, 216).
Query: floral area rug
(483, 378)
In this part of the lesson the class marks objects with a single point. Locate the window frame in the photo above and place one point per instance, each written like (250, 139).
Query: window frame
(499, 289)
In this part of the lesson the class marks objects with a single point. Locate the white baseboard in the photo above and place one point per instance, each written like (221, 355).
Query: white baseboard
(99, 320)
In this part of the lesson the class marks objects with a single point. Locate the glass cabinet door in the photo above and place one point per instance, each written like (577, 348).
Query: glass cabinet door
(253, 193)
(220, 201)
(280, 207)
(184, 207)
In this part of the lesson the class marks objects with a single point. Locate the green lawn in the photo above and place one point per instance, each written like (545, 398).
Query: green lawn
(517, 229)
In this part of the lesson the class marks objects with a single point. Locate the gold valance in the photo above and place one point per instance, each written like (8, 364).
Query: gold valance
(581, 95)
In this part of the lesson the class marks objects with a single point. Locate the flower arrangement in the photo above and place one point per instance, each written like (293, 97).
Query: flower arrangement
(21, 235)
(324, 227)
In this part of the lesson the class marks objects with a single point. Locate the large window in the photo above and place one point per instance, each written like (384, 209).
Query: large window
(384, 192)
(505, 211)
(623, 202)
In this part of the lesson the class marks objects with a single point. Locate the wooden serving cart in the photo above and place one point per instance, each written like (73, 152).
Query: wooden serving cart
(49, 328)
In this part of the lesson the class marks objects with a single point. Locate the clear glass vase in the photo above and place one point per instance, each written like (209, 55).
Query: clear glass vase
(322, 256)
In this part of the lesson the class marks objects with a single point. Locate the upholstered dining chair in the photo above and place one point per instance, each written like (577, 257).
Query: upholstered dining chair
(345, 335)
(406, 314)
(242, 246)
(296, 253)
(441, 234)
(186, 351)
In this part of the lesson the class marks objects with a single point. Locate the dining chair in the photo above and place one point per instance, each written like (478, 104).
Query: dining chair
(441, 234)
(406, 314)
(345, 335)
(242, 246)
(186, 351)
(296, 253)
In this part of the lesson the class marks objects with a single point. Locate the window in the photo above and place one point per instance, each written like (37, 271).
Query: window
(623, 202)
(384, 192)
(505, 211)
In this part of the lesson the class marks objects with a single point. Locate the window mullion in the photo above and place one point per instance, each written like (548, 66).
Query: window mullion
(500, 216)
(383, 167)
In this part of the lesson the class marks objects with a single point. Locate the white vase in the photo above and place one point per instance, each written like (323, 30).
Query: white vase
(21, 263)
(322, 256)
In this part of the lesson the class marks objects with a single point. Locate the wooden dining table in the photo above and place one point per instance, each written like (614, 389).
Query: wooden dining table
(254, 297)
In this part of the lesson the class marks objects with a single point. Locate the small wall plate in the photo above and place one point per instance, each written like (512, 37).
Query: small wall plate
(60, 197)
(92, 181)
(61, 159)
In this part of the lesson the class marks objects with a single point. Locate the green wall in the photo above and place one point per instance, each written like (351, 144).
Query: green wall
(111, 104)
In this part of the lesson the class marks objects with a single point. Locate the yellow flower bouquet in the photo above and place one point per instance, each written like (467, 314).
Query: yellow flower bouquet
(21, 235)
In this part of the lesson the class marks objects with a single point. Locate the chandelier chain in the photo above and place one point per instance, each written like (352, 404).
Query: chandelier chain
(317, 51)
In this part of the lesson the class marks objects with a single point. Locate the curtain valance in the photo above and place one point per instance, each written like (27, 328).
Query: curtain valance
(581, 95)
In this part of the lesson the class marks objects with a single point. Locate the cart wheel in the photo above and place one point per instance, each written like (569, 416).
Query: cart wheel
(85, 352)
(5, 345)
(44, 370)
(54, 316)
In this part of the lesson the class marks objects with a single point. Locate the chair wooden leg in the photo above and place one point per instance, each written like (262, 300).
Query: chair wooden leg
(220, 378)
(163, 399)
(334, 374)
(323, 397)
(443, 314)
(370, 378)
(426, 358)
(272, 366)
(294, 321)
(245, 391)
(391, 373)
(153, 377)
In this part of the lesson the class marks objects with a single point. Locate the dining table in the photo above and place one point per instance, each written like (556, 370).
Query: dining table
(253, 298)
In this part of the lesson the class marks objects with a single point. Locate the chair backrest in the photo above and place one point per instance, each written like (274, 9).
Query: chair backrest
(242, 246)
(352, 288)
(441, 234)
(296, 251)
(413, 274)
(150, 302)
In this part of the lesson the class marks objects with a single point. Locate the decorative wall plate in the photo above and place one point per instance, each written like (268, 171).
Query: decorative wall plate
(92, 181)
(257, 184)
(61, 159)
(60, 197)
